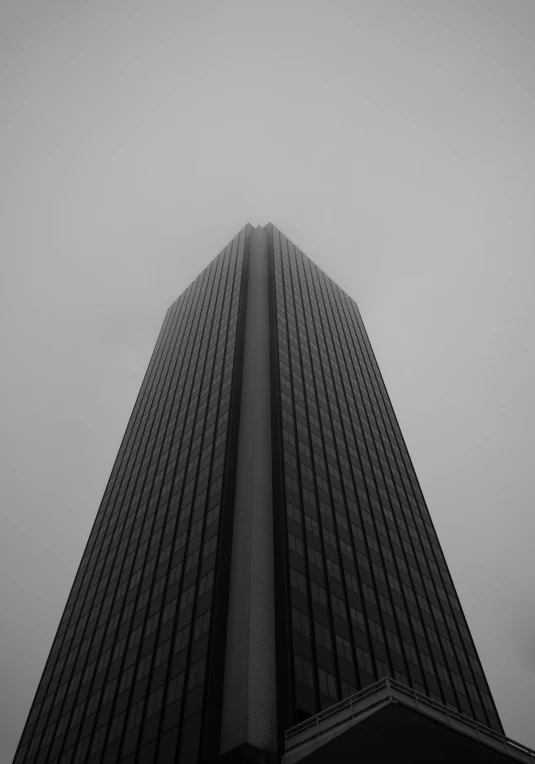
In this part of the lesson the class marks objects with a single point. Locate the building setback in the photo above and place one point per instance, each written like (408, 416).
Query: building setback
(262, 551)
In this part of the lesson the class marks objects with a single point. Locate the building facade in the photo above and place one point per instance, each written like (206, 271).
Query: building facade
(263, 548)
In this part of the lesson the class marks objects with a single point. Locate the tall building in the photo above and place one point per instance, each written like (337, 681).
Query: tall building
(263, 551)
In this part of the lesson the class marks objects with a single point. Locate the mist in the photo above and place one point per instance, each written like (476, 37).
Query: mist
(392, 142)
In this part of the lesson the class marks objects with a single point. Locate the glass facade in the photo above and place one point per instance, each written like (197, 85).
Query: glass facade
(367, 590)
(361, 587)
(128, 664)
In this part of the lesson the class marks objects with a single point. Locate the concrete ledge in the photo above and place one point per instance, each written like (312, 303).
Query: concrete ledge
(390, 722)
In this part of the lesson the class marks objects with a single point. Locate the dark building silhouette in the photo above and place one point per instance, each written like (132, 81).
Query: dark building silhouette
(262, 553)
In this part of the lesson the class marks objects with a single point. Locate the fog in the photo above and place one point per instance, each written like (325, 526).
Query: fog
(393, 142)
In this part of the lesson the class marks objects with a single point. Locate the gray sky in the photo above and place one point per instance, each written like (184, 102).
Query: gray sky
(393, 142)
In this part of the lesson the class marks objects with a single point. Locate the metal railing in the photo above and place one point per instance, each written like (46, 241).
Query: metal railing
(393, 690)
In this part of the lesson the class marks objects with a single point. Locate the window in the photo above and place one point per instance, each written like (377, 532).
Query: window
(175, 574)
(300, 622)
(401, 678)
(63, 724)
(357, 618)
(98, 740)
(209, 547)
(487, 702)
(427, 663)
(333, 570)
(318, 593)
(109, 691)
(144, 667)
(81, 751)
(116, 727)
(119, 649)
(410, 652)
(323, 635)
(182, 639)
(162, 653)
(196, 674)
(393, 642)
(303, 671)
(443, 673)
(314, 557)
(78, 714)
(376, 631)
(206, 583)
(364, 660)
(458, 683)
(369, 594)
(152, 624)
(418, 626)
(327, 684)
(382, 669)
(202, 624)
(176, 686)
(93, 703)
(134, 717)
(127, 678)
(191, 560)
(385, 605)
(187, 597)
(338, 607)
(135, 636)
(169, 611)
(155, 702)
(343, 648)
(472, 692)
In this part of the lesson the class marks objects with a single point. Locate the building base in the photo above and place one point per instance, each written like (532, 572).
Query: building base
(389, 722)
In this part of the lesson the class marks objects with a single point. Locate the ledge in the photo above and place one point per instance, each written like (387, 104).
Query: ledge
(390, 722)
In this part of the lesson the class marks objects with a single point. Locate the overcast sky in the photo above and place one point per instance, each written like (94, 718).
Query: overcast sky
(393, 142)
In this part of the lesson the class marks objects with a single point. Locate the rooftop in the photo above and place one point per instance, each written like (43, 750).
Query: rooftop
(388, 721)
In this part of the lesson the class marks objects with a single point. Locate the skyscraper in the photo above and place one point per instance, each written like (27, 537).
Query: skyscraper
(262, 551)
